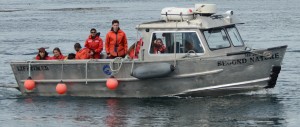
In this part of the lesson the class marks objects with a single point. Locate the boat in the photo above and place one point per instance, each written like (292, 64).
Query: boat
(204, 56)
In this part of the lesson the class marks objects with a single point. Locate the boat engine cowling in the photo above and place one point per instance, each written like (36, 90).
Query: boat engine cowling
(153, 70)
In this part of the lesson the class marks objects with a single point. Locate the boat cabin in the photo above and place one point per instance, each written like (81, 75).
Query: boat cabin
(187, 32)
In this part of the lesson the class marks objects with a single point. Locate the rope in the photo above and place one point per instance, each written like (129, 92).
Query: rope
(119, 61)
(267, 54)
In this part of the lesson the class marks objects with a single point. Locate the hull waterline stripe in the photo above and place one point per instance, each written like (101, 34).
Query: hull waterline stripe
(127, 79)
(224, 85)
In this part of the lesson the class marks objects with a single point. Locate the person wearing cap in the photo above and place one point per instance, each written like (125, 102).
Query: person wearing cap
(42, 55)
(57, 54)
(94, 43)
(82, 53)
(116, 41)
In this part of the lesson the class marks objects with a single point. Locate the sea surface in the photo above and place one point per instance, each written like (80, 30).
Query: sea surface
(26, 25)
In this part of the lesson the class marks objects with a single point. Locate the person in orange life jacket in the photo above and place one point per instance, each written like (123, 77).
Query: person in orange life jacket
(116, 41)
(94, 43)
(42, 55)
(82, 53)
(57, 54)
(159, 47)
(135, 47)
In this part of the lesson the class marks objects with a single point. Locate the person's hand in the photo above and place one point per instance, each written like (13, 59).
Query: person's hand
(92, 52)
(159, 44)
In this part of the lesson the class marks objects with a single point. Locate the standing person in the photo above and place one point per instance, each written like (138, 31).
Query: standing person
(95, 44)
(42, 55)
(57, 54)
(82, 53)
(116, 41)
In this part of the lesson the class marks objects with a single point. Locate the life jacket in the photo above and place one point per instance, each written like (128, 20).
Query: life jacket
(83, 53)
(116, 43)
(95, 45)
(138, 45)
(60, 57)
(39, 58)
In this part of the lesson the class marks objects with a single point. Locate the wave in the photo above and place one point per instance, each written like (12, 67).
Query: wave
(10, 10)
(293, 51)
(77, 9)
(32, 53)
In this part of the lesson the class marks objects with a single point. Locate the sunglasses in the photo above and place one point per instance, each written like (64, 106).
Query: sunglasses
(93, 32)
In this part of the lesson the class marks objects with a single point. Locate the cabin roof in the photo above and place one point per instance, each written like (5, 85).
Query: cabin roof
(199, 22)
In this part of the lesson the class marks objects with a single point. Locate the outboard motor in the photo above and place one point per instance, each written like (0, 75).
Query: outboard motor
(273, 76)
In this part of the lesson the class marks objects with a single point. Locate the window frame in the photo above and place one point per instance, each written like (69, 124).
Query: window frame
(243, 44)
(168, 54)
(213, 49)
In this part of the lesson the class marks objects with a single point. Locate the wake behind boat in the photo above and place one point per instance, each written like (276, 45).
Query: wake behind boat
(203, 55)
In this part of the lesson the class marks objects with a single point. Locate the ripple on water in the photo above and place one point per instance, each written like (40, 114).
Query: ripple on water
(78, 9)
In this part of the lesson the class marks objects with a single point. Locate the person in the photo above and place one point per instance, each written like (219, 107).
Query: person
(135, 47)
(42, 55)
(159, 46)
(189, 47)
(57, 54)
(116, 41)
(82, 53)
(94, 43)
(71, 56)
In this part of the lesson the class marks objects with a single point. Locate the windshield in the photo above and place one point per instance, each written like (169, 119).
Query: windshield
(216, 38)
(235, 36)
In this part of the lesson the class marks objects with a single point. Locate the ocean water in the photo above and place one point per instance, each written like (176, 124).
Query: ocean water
(26, 25)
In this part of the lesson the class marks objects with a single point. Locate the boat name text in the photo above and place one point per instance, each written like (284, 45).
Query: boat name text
(33, 68)
(249, 59)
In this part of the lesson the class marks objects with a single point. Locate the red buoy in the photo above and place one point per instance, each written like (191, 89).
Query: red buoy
(29, 84)
(112, 83)
(61, 88)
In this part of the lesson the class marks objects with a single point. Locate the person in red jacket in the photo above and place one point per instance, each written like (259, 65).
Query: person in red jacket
(135, 47)
(159, 46)
(116, 41)
(42, 55)
(82, 53)
(57, 54)
(95, 44)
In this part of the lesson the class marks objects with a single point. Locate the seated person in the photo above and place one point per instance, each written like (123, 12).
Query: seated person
(71, 56)
(159, 46)
(190, 48)
(136, 46)
(42, 55)
(82, 53)
(57, 54)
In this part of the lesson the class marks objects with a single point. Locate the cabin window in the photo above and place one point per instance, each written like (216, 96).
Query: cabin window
(216, 39)
(235, 36)
(179, 42)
